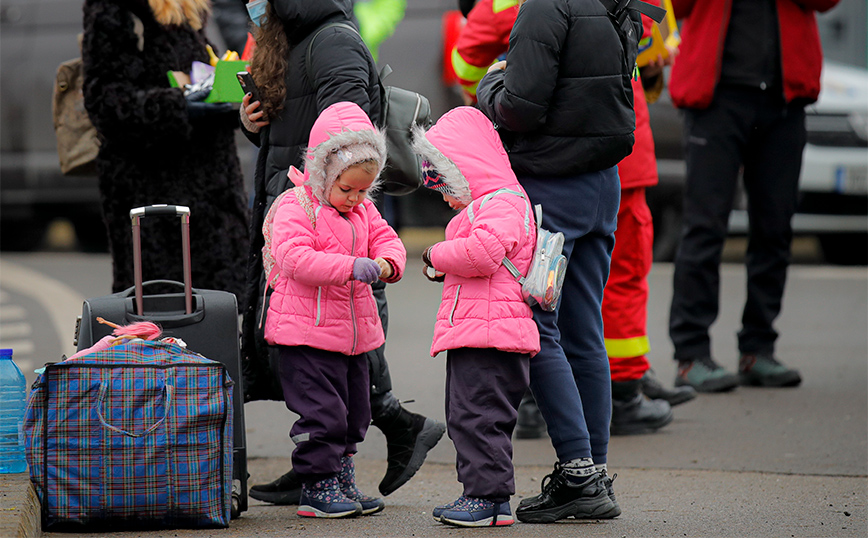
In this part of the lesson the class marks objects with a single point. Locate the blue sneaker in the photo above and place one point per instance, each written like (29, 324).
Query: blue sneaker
(438, 511)
(324, 498)
(474, 512)
(347, 482)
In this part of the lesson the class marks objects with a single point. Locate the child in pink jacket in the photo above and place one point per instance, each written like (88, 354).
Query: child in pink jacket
(483, 323)
(329, 243)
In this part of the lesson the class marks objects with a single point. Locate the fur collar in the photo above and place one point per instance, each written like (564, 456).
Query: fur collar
(178, 12)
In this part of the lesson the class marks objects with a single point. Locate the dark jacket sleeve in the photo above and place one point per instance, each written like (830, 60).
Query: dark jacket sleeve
(126, 101)
(339, 66)
(517, 98)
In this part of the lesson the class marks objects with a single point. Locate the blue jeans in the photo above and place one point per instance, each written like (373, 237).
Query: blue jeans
(569, 377)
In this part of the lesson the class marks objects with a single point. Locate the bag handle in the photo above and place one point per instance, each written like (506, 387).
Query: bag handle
(100, 400)
(136, 215)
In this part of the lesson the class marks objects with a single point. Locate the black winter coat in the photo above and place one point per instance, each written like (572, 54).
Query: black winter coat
(564, 104)
(153, 152)
(343, 70)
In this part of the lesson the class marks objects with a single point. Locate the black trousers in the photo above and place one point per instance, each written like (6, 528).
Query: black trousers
(758, 132)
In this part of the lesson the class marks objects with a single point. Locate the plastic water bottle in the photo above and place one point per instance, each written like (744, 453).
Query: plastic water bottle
(12, 401)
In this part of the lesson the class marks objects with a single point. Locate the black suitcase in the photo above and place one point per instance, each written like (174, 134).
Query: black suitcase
(207, 320)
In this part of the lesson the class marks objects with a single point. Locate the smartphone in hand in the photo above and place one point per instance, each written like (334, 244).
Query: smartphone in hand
(248, 86)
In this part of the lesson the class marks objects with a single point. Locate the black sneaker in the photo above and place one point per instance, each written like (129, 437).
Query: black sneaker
(610, 491)
(561, 498)
(704, 375)
(284, 490)
(766, 371)
(655, 390)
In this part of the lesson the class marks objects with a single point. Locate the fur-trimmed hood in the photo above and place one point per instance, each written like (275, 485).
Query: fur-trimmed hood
(173, 12)
(342, 135)
(462, 144)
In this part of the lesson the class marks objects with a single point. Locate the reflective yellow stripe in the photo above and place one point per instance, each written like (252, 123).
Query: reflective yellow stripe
(471, 89)
(500, 5)
(622, 348)
(466, 71)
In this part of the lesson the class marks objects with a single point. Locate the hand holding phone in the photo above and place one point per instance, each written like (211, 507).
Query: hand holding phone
(248, 86)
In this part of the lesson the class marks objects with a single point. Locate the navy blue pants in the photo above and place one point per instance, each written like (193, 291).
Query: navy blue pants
(757, 130)
(483, 390)
(570, 376)
(330, 393)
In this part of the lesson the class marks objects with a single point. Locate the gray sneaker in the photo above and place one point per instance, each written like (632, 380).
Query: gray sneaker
(764, 370)
(704, 375)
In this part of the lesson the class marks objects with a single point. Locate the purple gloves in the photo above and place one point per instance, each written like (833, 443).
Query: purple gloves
(366, 270)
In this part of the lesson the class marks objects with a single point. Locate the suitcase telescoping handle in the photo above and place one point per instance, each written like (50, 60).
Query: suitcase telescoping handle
(161, 210)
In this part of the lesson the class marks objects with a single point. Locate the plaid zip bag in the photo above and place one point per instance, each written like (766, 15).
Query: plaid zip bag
(135, 435)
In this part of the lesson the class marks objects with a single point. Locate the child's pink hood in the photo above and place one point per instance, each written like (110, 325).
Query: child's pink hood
(456, 155)
(340, 125)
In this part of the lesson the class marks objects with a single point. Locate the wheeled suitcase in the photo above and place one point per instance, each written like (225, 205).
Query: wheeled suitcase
(206, 320)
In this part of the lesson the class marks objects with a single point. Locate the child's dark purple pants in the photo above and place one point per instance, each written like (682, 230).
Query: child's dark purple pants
(331, 394)
(483, 390)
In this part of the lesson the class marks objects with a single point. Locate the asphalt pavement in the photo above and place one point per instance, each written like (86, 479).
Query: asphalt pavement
(749, 463)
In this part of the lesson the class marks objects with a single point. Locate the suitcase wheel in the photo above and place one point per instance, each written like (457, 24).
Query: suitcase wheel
(236, 506)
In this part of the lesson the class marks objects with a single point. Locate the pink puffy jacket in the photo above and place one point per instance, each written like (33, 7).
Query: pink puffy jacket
(315, 301)
(482, 305)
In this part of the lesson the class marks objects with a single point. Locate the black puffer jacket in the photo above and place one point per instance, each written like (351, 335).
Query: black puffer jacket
(564, 104)
(343, 70)
(152, 151)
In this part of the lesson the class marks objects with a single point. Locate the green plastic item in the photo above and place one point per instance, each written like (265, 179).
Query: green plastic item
(226, 88)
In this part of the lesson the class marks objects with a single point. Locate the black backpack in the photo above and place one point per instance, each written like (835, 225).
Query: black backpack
(401, 110)
(619, 14)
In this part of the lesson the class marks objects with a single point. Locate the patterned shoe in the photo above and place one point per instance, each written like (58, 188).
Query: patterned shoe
(766, 371)
(347, 481)
(438, 511)
(704, 375)
(324, 498)
(474, 512)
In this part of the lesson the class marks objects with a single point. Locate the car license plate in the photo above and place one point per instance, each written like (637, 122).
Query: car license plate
(851, 179)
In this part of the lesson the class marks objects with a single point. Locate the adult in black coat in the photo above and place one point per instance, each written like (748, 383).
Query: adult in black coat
(156, 147)
(341, 69)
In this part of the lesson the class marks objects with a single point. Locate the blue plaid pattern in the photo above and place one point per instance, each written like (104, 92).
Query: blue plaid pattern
(138, 433)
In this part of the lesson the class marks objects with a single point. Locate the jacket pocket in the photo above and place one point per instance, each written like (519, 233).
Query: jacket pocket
(318, 307)
(454, 306)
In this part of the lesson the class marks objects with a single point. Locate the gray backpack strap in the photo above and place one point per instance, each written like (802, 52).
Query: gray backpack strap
(506, 263)
(307, 66)
(491, 195)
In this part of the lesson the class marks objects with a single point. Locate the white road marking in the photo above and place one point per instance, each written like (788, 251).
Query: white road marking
(62, 303)
(12, 312)
(19, 347)
(14, 330)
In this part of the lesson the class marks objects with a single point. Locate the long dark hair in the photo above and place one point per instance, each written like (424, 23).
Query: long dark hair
(269, 62)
